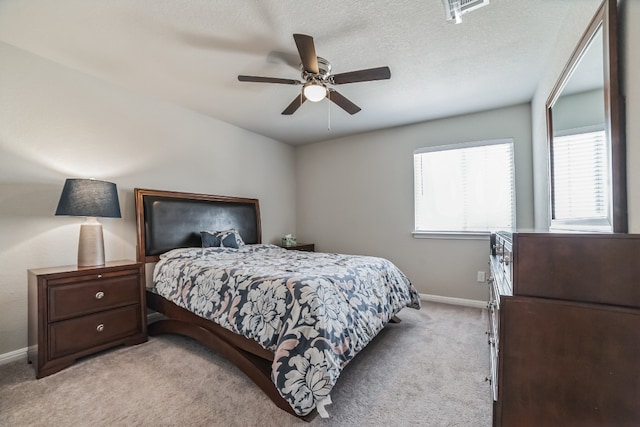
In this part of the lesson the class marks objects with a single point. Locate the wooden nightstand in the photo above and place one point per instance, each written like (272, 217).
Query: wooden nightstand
(309, 247)
(74, 312)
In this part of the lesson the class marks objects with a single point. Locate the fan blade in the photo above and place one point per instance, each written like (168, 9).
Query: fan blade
(268, 80)
(380, 73)
(342, 102)
(307, 51)
(295, 104)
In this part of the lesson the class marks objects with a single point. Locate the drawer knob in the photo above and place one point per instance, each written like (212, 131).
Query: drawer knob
(100, 327)
(99, 295)
(99, 276)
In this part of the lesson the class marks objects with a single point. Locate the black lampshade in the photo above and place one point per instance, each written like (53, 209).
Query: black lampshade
(89, 197)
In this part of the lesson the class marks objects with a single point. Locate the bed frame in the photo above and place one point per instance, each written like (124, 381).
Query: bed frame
(167, 220)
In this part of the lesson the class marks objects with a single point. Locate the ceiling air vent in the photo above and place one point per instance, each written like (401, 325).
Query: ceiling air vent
(454, 9)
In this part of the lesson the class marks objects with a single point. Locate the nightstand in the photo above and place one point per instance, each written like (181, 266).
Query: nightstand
(309, 247)
(75, 312)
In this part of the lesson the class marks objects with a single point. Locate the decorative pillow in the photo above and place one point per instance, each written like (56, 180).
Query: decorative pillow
(209, 239)
(226, 239)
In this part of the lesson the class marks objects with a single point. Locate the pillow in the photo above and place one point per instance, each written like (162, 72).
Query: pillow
(209, 239)
(226, 239)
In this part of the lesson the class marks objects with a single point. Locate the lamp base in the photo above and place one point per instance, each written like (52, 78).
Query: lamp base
(91, 244)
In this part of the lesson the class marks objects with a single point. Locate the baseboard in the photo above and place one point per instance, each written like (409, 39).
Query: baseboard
(12, 356)
(454, 301)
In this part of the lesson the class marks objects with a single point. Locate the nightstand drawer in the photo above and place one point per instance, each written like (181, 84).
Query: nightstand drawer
(90, 296)
(74, 335)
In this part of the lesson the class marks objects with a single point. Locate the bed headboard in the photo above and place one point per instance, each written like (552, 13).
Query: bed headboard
(168, 220)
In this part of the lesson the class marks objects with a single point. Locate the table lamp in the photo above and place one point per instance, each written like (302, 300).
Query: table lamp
(90, 198)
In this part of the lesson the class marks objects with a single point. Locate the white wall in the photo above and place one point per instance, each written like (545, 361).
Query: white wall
(355, 195)
(56, 123)
(578, 110)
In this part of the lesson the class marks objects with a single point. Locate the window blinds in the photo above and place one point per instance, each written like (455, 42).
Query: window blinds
(580, 176)
(465, 187)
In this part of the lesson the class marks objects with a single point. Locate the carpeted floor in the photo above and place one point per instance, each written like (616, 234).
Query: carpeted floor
(428, 370)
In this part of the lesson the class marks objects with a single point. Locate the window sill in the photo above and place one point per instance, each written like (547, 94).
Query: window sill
(452, 235)
(578, 226)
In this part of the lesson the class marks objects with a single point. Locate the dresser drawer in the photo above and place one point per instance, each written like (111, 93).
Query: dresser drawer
(74, 335)
(501, 262)
(92, 295)
(494, 334)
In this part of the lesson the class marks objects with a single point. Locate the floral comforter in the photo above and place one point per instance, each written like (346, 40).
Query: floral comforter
(314, 311)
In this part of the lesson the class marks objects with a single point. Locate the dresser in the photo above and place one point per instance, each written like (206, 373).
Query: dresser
(75, 312)
(564, 329)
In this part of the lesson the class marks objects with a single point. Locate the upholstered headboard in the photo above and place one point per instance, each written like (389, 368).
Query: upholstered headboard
(168, 220)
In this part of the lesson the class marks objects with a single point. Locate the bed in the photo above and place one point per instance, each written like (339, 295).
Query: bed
(290, 320)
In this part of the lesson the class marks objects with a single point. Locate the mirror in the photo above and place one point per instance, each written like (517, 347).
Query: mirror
(585, 131)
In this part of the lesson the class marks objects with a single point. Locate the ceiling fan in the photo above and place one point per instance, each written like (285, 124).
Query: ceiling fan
(316, 75)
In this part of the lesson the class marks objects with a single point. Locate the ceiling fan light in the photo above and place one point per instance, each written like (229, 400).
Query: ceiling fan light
(314, 92)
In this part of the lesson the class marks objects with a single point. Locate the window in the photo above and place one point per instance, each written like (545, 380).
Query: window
(464, 188)
(580, 183)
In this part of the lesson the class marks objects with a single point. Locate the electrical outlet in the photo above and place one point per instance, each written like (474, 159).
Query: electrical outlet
(480, 277)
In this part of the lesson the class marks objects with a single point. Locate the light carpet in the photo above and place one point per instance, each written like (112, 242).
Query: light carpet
(428, 370)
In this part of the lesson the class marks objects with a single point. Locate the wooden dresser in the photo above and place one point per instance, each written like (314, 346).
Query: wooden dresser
(74, 312)
(564, 329)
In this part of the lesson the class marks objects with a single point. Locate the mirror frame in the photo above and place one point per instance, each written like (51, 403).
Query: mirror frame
(606, 18)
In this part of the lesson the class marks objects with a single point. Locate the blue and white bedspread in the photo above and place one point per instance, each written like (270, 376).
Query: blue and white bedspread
(314, 311)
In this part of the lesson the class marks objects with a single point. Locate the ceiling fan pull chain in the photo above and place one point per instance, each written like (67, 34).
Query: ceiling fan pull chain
(329, 111)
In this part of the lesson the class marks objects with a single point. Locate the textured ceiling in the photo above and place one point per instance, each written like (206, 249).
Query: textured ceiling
(190, 52)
